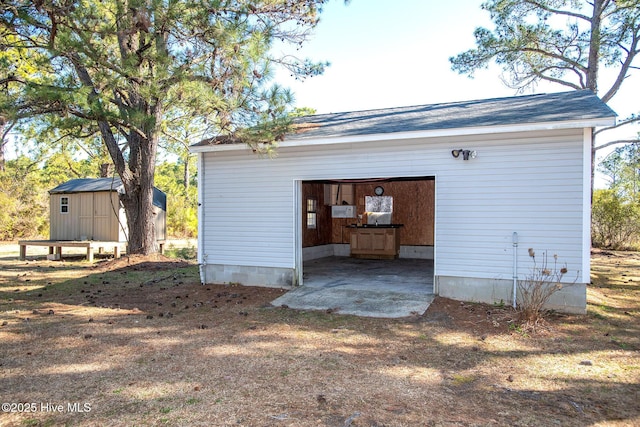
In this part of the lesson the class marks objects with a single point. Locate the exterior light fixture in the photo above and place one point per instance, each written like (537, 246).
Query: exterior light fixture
(466, 154)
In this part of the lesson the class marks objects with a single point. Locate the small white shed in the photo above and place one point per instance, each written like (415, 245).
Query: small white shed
(90, 209)
(467, 176)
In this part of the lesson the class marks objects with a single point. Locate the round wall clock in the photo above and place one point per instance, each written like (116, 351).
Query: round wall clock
(379, 191)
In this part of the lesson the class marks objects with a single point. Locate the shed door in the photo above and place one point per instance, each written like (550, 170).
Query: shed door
(103, 213)
(85, 218)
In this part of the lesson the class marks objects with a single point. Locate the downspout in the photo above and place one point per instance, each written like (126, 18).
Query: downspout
(514, 239)
(297, 279)
(202, 259)
(203, 270)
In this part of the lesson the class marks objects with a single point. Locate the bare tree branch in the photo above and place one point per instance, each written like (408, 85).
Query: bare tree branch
(625, 122)
(632, 52)
(558, 11)
(619, 141)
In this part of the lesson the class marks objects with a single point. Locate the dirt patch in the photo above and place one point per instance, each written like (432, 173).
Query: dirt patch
(479, 319)
(140, 341)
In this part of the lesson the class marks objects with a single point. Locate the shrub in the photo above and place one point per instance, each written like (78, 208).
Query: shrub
(182, 205)
(535, 291)
(182, 217)
(615, 223)
(24, 202)
(188, 253)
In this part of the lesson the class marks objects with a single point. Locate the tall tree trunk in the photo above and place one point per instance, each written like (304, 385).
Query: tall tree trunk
(138, 207)
(186, 175)
(137, 179)
(138, 202)
(592, 72)
(136, 172)
(594, 46)
(2, 142)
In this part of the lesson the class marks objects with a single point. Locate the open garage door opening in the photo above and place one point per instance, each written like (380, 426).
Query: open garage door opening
(375, 233)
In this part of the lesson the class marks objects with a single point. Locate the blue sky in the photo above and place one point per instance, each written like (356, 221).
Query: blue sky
(389, 54)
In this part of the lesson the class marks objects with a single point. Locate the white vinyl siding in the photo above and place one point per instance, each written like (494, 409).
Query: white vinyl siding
(530, 183)
(533, 188)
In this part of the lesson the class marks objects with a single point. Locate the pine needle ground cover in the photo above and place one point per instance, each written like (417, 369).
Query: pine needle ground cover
(139, 341)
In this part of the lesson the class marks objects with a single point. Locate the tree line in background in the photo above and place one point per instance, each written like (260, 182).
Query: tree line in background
(615, 213)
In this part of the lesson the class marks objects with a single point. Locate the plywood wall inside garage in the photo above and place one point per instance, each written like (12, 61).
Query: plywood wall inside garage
(413, 206)
(321, 235)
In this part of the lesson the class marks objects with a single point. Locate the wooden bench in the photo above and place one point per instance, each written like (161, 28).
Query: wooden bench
(91, 246)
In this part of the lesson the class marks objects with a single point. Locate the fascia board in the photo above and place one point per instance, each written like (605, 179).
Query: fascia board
(437, 133)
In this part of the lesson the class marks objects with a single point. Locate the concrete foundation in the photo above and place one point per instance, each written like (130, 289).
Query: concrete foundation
(324, 251)
(403, 275)
(272, 277)
(416, 252)
(317, 252)
(569, 299)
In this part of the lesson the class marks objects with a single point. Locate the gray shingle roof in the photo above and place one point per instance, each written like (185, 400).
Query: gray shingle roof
(542, 108)
(90, 185)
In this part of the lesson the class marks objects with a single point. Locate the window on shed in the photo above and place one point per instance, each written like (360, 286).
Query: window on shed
(312, 214)
(64, 205)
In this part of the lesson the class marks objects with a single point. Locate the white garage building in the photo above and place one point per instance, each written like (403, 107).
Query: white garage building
(464, 177)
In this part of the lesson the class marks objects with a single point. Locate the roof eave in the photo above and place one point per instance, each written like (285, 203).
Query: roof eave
(116, 189)
(435, 133)
(218, 147)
